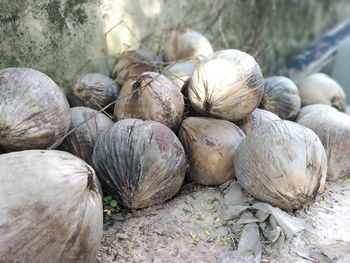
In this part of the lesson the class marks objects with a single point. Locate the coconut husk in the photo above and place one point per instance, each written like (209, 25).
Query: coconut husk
(88, 124)
(319, 88)
(34, 112)
(93, 90)
(333, 129)
(51, 208)
(140, 163)
(229, 85)
(151, 97)
(282, 163)
(281, 96)
(185, 44)
(210, 145)
(256, 119)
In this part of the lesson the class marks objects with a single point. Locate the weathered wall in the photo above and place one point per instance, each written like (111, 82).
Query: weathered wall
(63, 37)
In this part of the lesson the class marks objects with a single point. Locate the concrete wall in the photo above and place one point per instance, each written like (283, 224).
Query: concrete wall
(63, 37)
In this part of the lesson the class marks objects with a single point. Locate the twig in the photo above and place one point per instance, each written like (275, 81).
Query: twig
(106, 35)
(302, 255)
(112, 28)
(59, 141)
(81, 68)
(325, 208)
(216, 18)
(223, 35)
(234, 244)
(259, 51)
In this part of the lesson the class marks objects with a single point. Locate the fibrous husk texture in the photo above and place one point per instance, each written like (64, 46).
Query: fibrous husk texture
(210, 145)
(141, 163)
(228, 85)
(333, 129)
(50, 206)
(180, 72)
(256, 119)
(131, 64)
(94, 90)
(151, 97)
(186, 44)
(313, 108)
(282, 163)
(281, 96)
(34, 112)
(319, 88)
(88, 125)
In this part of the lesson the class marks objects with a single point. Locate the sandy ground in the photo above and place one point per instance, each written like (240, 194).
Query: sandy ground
(190, 228)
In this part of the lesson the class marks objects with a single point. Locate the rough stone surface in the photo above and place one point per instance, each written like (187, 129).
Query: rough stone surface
(63, 37)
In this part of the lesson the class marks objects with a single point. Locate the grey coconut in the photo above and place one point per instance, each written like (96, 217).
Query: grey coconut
(88, 125)
(140, 163)
(282, 163)
(281, 96)
(34, 112)
(50, 207)
(333, 129)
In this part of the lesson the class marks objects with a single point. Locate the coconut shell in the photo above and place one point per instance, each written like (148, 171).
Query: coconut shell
(210, 145)
(180, 72)
(281, 97)
(81, 142)
(319, 88)
(140, 163)
(313, 108)
(51, 208)
(93, 90)
(333, 129)
(282, 163)
(229, 85)
(186, 44)
(151, 97)
(34, 112)
(256, 119)
(131, 64)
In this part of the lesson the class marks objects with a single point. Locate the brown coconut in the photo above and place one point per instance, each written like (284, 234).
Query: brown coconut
(34, 112)
(51, 208)
(151, 97)
(88, 124)
(131, 64)
(140, 163)
(93, 90)
(333, 129)
(210, 145)
(229, 85)
(282, 163)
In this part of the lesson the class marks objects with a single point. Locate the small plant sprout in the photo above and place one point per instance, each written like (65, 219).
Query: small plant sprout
(108, 200)
(111, 205)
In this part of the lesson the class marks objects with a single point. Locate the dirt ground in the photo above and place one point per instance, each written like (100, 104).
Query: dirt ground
(199, 225)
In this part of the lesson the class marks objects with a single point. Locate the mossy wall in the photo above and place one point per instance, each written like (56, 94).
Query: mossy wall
(64, 37)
